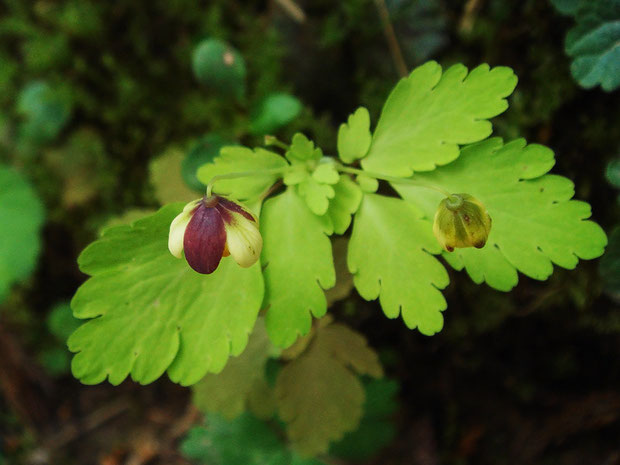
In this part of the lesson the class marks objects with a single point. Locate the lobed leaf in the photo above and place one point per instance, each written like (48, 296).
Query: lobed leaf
(346, 201)
(354, 136)
(298, 263)
(318, 395)
(535, 224)
(228, 392)
(235, 159)
(429, 114)
(390, 258)
(302, 149)
(150, 312)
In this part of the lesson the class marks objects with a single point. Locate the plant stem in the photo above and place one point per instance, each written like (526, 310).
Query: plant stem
(392, 179)
(242, 174)
(273, 140)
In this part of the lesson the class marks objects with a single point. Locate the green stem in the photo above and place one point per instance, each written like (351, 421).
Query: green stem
(242, 174)
(274, 141)
(392, 179)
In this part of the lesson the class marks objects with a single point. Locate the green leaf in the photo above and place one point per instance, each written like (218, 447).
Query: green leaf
(593, 44)
(326, 173)
(298, 263)
(612, 173)
(345, 203)
(244, 441)
(234, 159)
(61, 322)
(150, 312)
(228, 392)
(273, 112)
(219, 66)
(318, 394)
(428, 115)
(203, 152)
(302, 149)
(354, 136)
(167, 179)
(46, 110)
(535, 224)
(316, 194)
(21, 217)
(376, 430)
(389, 256)
(609, 266)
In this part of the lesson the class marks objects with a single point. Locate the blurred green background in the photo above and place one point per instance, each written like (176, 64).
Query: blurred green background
(107, 108)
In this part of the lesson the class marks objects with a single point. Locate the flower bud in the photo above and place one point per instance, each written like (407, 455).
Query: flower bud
(211, 228)
(461, 221)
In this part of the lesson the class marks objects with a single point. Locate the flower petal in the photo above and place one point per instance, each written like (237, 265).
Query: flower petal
(177, 228)
(204, 240)
(243, 239)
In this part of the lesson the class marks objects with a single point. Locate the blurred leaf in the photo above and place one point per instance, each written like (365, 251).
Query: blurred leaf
(83, 165)
(203, 152)
(218, 65)
(46, 111)
(612, 173)
(593, 42)
(61, 322)
(21, 218)
(44, 52)
(609, 266)
(376, 430)
(227, 392)
(430, 113)
(56, 360)
(319, 396)
(167, 180)
(80, 18)
(244, 441)
(421, 27)
(273, 112)
(294, 281)
(149, 312)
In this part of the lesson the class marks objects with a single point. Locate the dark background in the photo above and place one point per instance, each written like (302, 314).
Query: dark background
(528, 377)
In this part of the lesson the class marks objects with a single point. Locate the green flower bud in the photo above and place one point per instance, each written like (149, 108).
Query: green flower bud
(461, 221)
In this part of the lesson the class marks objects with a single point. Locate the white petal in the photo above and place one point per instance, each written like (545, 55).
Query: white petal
(177, 229)
(243, 240)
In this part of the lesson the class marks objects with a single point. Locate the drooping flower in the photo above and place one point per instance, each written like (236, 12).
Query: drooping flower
(461, 221)
(211, 228)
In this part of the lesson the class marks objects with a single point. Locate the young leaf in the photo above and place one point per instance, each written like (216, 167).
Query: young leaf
(354, 136)
(319, 396)
(316, 194)
(273, 112)
(535, 224)
(428, 115)
(227, 392)
(302, 149)
(346, 201)
(234, 159)
(298, 263)
(149, 311)
(21, 217)
(389, 256)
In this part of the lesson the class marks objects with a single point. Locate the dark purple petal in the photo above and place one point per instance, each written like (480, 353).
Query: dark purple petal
(225, 204)
(204, 240)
